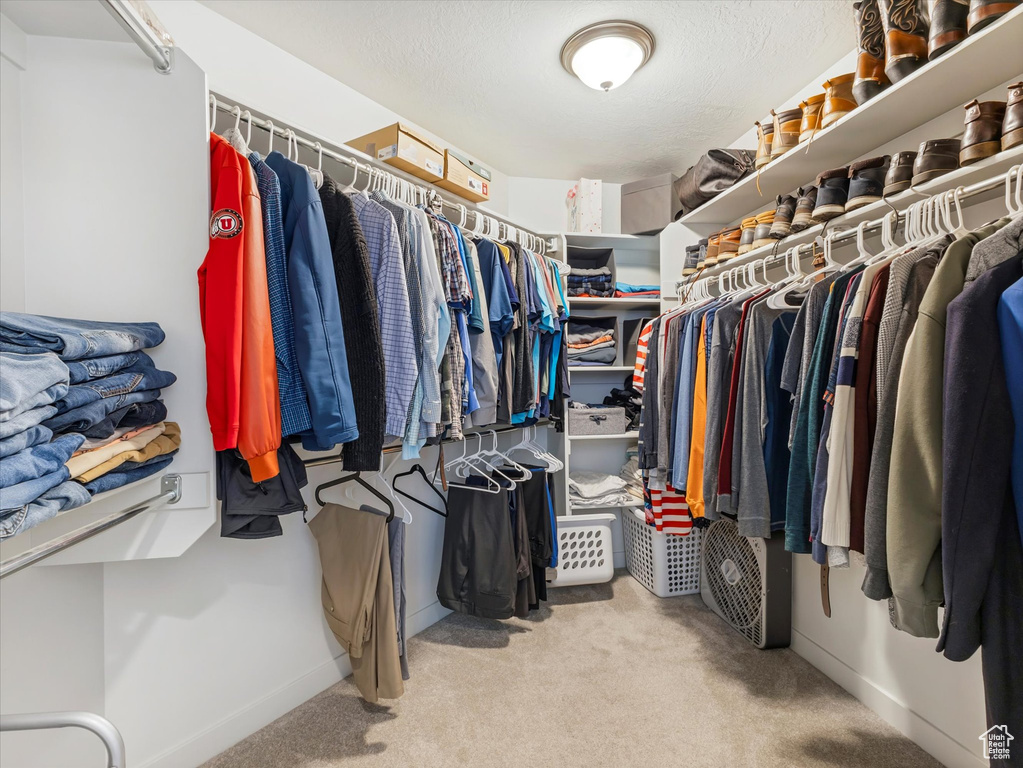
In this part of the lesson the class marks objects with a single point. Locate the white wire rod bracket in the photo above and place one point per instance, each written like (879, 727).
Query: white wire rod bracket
(144, 37)
(319, 145)
(170, 493)
(100, 726)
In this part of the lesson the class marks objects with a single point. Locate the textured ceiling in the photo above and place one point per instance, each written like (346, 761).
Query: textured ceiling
(486, 75)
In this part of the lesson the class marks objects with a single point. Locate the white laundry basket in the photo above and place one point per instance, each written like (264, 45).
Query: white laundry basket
(585, 550)
(665, 563)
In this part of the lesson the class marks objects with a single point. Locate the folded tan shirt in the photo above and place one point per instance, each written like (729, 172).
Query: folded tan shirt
(169, 441)
(82, 463)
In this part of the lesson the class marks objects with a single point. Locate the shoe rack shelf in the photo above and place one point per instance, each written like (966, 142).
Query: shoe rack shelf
(981, 62)
(961, 177)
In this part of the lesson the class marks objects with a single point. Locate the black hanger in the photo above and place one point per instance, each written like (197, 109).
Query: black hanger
(417, 469)
(356, 476)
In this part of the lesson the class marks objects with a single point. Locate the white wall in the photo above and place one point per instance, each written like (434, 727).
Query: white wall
(540, 204)
(13, 52)
(257, 73)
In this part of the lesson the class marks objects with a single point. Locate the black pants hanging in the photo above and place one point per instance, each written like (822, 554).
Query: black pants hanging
(477, 571)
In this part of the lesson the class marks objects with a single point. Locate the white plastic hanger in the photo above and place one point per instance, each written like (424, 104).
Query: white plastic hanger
(317, 173)
(270, 127)
(213, 117)
(452, 466)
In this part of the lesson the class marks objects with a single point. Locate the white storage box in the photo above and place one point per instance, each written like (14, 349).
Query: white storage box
(585, 550)
(665, 563)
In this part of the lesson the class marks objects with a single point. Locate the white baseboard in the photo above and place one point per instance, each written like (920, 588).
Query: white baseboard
(935, 742)
(232, 729)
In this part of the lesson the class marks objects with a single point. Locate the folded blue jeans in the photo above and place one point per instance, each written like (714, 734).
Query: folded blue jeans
(28, 381)
(75, 339)
(136, 415)
(25, 420)
(98, 367)
(38, 460)
(138, 377)
(81, 419)
(119, 477)
(60, 498)
(24, 493)
(19, 442)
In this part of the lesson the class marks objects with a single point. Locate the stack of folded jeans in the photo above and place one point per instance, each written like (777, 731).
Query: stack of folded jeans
(596, 283)
(79, 413)
(590, 344)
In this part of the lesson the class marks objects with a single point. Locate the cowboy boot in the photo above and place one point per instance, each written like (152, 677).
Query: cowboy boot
(905, 30)
(870, 77)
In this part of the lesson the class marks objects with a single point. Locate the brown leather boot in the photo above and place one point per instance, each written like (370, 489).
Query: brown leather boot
(934, 158)
(983, 136)
(900, 173)
(713, 245)
(729, 244)
(810, 121)
(806, 201)
(1012, 126)
(746, 235)
(870, 77)
(948, 25)
(784, 210)
(838, 99)
(905, 31)
(983, 12)
(765, 137)
(786, 131)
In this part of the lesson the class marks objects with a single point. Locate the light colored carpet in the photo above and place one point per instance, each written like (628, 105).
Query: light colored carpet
(607, 675)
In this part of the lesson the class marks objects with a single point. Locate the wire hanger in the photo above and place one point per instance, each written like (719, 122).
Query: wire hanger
(417, 469)
(355, 477)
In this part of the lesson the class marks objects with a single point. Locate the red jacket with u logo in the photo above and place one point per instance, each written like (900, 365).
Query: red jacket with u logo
(241, 373)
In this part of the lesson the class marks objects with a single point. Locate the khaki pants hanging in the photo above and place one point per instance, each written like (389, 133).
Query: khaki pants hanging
(358, 596)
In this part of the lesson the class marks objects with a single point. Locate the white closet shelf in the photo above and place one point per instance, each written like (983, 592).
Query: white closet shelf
(619, 436)
(166, 531)
(961, 177)
(599, 368)
(625, 242)
(586, 301)
(978, 64)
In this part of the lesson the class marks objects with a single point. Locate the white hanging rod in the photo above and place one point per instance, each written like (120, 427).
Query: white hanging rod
(492, 223)
(324, 460)
(956, 195)
(143, 35)
(170, 493)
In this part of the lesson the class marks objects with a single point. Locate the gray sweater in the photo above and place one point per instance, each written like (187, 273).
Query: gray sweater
(751, 497)
(719, 368)
(875, 551)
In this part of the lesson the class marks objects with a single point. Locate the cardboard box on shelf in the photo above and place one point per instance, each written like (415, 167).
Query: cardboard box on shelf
(465, 178)
(400, 146)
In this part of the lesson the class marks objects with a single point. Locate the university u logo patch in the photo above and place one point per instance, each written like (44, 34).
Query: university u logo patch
(225, 223)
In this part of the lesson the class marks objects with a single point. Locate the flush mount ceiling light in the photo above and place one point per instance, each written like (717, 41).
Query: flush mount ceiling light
(604, 55)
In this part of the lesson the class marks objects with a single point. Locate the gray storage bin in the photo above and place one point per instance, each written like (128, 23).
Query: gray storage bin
(584, 257)
(596, 420)
(649, 205)
(629, 343)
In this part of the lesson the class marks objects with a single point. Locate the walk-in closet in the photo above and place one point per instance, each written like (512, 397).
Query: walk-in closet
(483, 383)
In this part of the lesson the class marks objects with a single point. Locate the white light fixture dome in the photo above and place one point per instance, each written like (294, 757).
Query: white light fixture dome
(606, 54)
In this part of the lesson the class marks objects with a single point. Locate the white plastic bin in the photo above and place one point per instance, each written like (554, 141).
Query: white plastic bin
(665, 563)
(585, 550)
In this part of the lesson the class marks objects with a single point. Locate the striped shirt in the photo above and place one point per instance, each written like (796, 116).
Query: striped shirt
(639, 371)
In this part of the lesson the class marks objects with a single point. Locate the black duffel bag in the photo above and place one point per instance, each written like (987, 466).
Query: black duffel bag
(713, 173)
